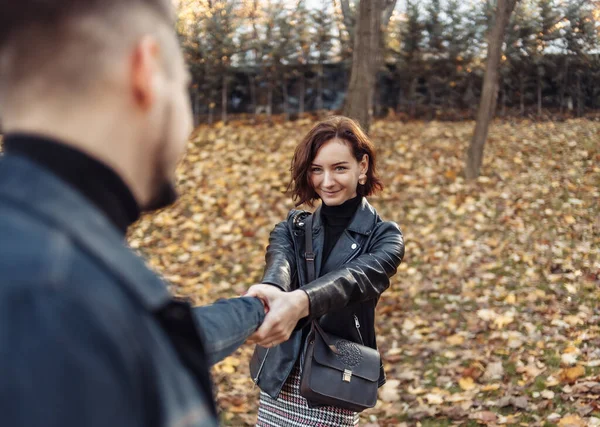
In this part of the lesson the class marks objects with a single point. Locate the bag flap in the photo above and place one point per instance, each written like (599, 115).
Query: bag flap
(363, 361)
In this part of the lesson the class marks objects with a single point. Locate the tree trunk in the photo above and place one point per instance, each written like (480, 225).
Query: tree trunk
(211, 111)
(320, 88)
(399, 101)
(539, 95)
(522, 94)
(503, 101)
(348, 18)
(580, 99)
(489, 91)
(564, 85)
(365, 61)
(301, 94)
(494, 102)
(270, 101)
(412, 91)
(286, 110)
(224, 100)
(253, 97)
(196, 108)
(431, 98)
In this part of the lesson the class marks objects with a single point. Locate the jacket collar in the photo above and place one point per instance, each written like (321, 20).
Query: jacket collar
(363, 221)
(56, 203)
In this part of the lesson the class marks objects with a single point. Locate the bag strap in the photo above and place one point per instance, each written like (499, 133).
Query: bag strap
(309, 254)
(316, 327)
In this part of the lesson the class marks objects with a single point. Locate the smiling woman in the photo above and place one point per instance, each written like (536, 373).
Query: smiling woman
(335, 173)
(355, 254)
(334, 162)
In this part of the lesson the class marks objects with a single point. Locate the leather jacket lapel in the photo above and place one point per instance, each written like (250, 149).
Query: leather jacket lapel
(347, 247)
(364, 219)
(344, 250)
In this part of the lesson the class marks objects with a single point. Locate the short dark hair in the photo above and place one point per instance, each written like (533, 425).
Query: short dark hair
(35, 35)
(335, 127)
(19, 15)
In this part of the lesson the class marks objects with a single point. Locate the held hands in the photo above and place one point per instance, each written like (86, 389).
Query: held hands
(284, 310)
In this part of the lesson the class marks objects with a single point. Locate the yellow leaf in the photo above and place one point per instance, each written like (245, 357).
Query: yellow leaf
(434, 399)
(466, 383)
(570, 375)
(490, 387)
(504, 320)
(510, 299)
(572, 421)
(455, 339)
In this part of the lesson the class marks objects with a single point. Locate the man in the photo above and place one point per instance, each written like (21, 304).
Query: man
(95, 114)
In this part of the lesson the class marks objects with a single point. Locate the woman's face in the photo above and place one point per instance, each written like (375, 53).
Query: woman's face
(334, 172)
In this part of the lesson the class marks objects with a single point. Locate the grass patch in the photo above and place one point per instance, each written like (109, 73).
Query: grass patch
(551, 359)
(539, 384)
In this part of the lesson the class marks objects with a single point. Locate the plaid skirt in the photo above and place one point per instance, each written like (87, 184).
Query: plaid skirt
(291, 409)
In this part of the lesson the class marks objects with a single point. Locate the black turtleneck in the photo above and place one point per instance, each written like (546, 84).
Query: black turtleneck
(335, 220)
(96, 181)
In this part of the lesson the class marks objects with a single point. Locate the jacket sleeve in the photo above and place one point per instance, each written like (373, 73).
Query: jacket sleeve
(280, 259)
(361, 279)
(225, 325)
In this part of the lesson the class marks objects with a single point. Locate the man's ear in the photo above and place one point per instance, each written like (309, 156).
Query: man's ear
(144, 66)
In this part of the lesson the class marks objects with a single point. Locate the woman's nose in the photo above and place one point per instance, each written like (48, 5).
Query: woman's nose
(327, 179)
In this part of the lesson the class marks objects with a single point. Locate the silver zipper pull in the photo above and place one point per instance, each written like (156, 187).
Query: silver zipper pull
(356, 322)
(260, 368)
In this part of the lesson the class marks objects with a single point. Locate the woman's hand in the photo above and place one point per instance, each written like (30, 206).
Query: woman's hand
(284, 310)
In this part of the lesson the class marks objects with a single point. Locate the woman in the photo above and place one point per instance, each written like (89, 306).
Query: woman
(356, 253)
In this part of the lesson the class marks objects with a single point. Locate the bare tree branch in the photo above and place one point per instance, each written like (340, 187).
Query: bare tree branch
(388, 11)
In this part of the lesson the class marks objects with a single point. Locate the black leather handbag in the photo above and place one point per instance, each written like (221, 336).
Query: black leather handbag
(336, 372)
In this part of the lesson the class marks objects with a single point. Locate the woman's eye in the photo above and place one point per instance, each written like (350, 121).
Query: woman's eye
(315, 170)
(341, 168)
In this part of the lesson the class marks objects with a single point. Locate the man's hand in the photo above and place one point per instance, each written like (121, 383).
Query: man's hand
(285, 309)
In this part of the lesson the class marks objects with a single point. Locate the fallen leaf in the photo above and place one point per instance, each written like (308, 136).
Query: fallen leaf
(466, 383)
(570, 375)
(493, 371)
(484, 416)
(434, 399)
(389, 392)
(547, 394)
(571, 421)
(455, 339)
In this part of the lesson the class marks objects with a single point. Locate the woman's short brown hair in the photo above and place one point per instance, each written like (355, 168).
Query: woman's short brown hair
(335, 127)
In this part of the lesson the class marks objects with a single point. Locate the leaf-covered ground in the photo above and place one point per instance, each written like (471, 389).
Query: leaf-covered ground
(493, 317)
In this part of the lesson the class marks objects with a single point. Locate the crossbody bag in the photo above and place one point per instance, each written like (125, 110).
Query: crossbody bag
(336, 372)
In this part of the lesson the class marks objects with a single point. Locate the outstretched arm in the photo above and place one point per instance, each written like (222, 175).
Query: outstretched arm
(227, 324)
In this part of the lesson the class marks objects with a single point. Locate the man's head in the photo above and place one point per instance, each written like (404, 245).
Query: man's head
(106, 76)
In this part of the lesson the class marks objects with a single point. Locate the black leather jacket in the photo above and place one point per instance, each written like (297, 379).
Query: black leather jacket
(345, 293)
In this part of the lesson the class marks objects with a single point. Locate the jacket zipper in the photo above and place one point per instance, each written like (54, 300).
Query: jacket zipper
(357, 324)
(260, 368)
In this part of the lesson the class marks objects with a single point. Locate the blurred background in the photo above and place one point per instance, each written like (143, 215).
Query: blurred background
(288, 57)
(493, 317)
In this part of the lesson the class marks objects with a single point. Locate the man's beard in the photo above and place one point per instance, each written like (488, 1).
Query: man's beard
(165, 195)
(163, 187)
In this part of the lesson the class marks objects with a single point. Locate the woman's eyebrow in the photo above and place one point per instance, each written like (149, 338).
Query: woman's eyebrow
(335, 164)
